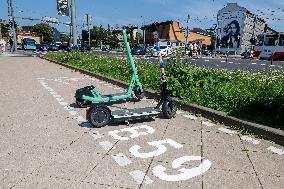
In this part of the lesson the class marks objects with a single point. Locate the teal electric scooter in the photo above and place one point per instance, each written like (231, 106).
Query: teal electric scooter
(88, 95)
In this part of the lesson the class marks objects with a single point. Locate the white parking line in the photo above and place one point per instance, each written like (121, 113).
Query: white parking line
(208, 124)
(121, 159)
(253, 63)
(231, 62)
(226, 130)
(106, 145)
(96, 135)
(207, 60)
(138, 176)
(223, 61)
(192, 117)
(250, 139)
(276, 150)
(272, 65)
(263, 64)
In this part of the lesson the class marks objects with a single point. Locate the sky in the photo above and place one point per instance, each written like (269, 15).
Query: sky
(139, 12)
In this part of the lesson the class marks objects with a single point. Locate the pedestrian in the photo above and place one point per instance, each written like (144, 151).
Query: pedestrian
(190, 49)
(11, 42)
(195, 46)
(2, 45)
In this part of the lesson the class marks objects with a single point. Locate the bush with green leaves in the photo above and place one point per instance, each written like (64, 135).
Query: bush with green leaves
(258, 97)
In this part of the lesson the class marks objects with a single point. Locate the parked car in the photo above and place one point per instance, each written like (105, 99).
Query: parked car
(165, 50)
(207, 53)
(44, 47)
(105, 49)
(138, 50)
(53, 48)
(85, 48)
(19, 45)
(65, 47)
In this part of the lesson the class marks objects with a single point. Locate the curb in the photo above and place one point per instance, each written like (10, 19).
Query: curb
(269, 133)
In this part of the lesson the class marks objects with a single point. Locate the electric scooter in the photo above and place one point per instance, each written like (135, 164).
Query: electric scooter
(100, 115)
(89, 94)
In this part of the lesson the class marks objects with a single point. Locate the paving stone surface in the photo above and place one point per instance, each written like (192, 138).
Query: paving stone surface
(45, 141)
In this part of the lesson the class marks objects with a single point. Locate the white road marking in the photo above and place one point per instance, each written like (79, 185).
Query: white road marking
(80, 119)
(208, 124)
(272, 65)
(226, 130)
(63, 103)
(185, 173)
(106, 145)
(231, 62)
(96, 135)
(73, 112)
(263, 64)
(207, 60)
(179, 112)
(250, 139)
(253, 63)
(53, 93)
(192, 117)
(276, 150)
(57, 96)
(59, 99)
(68, 108)
(279, 66)
(223, 61)
(121, 159)
(138, 176)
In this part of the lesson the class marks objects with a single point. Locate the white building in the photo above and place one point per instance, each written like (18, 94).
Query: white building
(236, 26)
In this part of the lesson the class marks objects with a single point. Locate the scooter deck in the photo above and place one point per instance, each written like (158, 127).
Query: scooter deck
(135, 113)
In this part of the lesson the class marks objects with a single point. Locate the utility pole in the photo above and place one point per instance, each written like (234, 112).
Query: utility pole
(186, 34)
(89, 30)
(12, 24)
(216, 36)
(73, 23)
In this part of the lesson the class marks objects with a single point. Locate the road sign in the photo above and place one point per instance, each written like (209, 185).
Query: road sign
(62, 7)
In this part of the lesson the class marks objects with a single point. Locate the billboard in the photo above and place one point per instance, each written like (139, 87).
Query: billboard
(62, 7)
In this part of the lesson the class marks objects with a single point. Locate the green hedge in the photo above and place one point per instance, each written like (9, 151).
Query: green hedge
(258, 97)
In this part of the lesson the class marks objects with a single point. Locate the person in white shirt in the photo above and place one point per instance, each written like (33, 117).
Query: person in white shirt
(2, 45)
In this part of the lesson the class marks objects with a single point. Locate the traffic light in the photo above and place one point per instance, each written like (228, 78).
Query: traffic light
(62, 7)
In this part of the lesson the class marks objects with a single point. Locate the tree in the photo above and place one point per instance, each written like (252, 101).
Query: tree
(213, 39)
(64, 37)
(44, 31)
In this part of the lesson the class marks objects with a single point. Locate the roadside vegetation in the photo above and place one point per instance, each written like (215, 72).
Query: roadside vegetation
(257, 97)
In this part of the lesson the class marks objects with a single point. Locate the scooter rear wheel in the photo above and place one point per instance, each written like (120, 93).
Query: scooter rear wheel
(82, 104)
(99, 116)
(169, 109)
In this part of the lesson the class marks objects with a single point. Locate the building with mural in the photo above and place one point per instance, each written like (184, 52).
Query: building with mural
(236, 27)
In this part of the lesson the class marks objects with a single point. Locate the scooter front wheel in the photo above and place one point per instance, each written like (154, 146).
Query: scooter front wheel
(99, 116)
(169, 109)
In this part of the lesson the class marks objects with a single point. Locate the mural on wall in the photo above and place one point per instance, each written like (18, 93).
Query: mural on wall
(230, 30)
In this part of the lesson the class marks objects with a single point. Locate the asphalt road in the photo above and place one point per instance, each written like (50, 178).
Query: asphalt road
(45, 141)
(254, 65)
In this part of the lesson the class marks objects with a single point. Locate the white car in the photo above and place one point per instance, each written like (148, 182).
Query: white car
(165, 50)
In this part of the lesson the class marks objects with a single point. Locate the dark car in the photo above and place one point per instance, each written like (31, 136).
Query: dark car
(85, 48)
(44, 47)
(105, 49)
(138, 50)
(207, 53)
(53, 48)
(65, 47)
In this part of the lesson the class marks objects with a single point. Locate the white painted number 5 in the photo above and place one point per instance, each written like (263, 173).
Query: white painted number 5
(134, 150)
(159, 171)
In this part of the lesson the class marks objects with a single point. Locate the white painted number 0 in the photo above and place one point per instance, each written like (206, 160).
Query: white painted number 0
(134, 150)
(159, 171)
